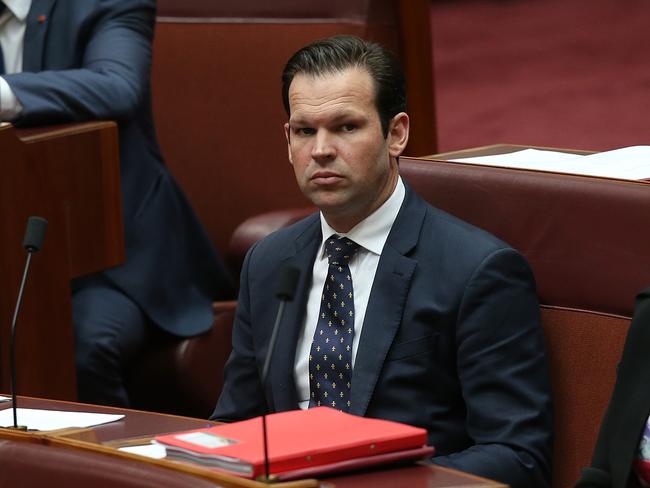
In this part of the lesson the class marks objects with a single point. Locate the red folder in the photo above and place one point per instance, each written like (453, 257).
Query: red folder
(310, 442)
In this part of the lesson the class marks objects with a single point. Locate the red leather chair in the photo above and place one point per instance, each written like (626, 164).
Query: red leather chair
(185, 376)
(584, 240)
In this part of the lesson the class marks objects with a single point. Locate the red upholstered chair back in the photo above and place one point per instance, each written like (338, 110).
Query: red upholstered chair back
(583, 350)
(185, 376)
(216, 92)
(584, 240)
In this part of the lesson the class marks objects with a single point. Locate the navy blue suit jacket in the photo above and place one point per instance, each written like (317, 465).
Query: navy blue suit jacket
(90, 60)
(451, 342)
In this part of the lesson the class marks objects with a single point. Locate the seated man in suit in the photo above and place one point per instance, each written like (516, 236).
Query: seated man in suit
(403, 311)
(75, 60)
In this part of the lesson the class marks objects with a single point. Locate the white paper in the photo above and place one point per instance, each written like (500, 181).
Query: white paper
(521, 158)
(629, 163)
(154, 451)
(54, 419)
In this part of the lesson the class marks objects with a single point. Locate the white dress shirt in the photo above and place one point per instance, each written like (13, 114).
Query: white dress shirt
(371, 234)
(13, 23)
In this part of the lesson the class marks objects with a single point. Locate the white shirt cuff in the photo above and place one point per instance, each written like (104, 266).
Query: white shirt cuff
(10, 107)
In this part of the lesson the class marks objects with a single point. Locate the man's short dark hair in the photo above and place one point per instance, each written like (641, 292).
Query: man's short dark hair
(338, 53)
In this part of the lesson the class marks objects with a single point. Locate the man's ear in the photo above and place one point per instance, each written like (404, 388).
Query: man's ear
(287, 136)
(398, 134)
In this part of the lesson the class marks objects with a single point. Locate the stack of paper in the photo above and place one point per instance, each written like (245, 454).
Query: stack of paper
(36, 419)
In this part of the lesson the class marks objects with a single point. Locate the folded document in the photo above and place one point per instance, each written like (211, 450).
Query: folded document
(300, 443)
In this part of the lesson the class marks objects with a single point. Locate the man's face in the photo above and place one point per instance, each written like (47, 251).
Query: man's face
(342, 162)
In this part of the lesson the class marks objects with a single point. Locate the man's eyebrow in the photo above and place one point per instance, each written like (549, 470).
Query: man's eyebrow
(337, 117)
(297, 121)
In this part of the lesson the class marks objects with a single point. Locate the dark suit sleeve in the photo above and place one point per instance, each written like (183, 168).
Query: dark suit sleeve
(114, 41)
(242, 396)
(503, 372)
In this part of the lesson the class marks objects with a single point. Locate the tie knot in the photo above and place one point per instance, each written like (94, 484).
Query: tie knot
(340, 250)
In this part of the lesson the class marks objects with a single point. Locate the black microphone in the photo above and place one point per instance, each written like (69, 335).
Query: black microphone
(33, 241)
(286, 289)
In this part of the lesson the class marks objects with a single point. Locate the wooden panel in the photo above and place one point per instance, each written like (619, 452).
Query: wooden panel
(416, 52)
(70, 176)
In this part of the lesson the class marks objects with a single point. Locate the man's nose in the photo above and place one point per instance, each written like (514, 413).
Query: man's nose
(323, 148)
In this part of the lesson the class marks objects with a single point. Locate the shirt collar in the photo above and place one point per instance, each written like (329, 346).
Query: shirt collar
(19, 8)
(371, 233)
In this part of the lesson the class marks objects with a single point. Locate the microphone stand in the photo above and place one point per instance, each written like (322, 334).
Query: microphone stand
(286, 291)
(12, 343)
(33, 241)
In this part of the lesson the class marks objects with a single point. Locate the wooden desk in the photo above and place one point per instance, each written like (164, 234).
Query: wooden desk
(138, 424)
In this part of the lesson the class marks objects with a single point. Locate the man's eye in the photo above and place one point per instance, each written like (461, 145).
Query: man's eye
(348, 127)
(305, 131)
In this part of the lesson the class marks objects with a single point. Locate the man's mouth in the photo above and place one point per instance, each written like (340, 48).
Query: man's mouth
(326, 178)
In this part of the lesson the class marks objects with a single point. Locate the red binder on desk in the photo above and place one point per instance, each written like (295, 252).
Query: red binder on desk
(300, 443)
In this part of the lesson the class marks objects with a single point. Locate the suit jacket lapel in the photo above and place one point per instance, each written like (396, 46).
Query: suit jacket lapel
(302, 257)
(387, 299)
(37, 24)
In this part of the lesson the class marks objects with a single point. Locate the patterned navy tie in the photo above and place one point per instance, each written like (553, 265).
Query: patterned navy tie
(330, 358)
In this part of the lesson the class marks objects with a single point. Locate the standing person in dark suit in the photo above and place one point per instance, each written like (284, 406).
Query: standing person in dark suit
(403, 311)
(77, 60)
(618, 460)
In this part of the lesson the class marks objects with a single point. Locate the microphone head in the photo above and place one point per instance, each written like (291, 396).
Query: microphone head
(34, 233)
(287, 283)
